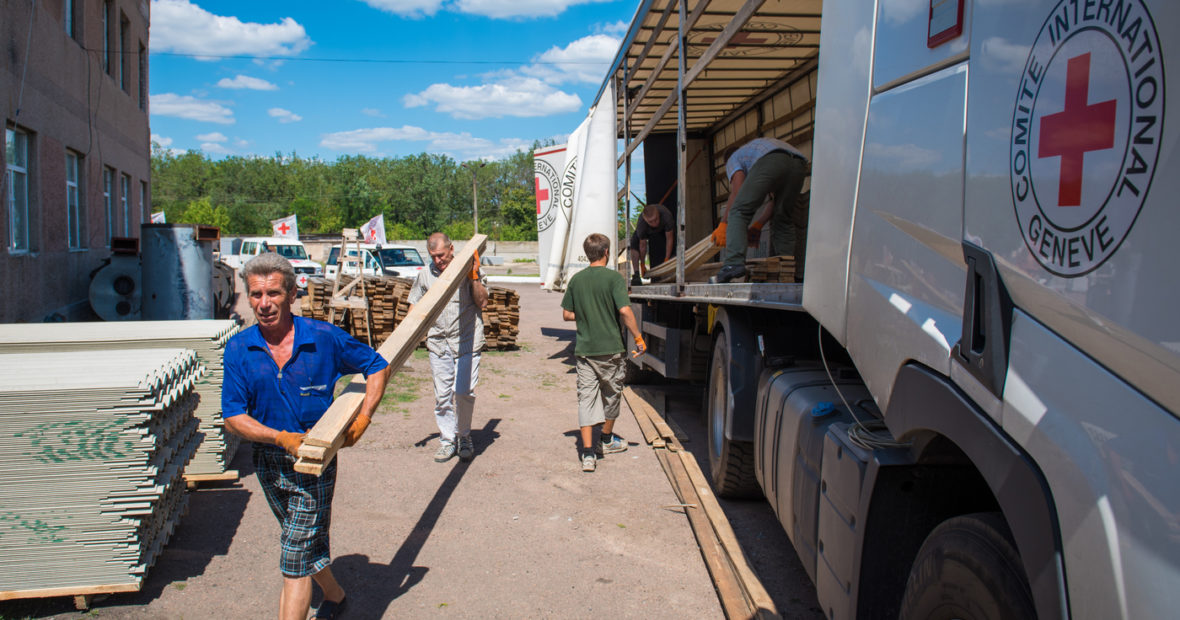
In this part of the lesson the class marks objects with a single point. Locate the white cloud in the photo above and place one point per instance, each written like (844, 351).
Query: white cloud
(902, 11)
(247, 82)
(216, 136)
(161, 140)
(374, 112)
(214, 147)
(1001, 55)
(407, 8)
(185, 106)
(459, 145)
(905, 157)
(584, 60)
(617, 29)
(183, 27)
(514, 8)
(520, 97)
(284, 116)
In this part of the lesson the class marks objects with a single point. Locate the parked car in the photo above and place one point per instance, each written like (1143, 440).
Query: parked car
(291, 249)
(379, 260)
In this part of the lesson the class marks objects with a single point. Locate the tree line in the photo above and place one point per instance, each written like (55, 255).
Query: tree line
(418, 194)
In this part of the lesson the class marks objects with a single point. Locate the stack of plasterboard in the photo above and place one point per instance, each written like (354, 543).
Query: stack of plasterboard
(91, 466)
(206, 337)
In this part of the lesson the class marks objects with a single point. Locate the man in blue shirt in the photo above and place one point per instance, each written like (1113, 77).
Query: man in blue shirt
(279, 380)
(761, 167)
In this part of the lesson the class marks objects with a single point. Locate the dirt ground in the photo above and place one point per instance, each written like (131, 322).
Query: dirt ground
(520, 532)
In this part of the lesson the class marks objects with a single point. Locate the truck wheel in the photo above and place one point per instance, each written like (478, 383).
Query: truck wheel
(731, 463)
(968, 568)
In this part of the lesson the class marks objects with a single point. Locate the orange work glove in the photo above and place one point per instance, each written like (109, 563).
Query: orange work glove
(754, 233)
(475, 266)
(356, 429)
(640, 346)
(719, 235)
(290, 442)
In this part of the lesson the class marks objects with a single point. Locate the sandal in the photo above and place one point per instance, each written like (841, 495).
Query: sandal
(330, 609)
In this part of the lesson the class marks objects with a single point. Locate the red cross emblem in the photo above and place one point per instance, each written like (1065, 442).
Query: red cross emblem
(283, 229)
(542, 194)
(1079, 128)
(372, 234)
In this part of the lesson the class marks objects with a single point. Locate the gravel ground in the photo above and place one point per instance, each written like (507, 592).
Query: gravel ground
(520, 532)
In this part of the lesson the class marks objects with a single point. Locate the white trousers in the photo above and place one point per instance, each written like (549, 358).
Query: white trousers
(455, 378)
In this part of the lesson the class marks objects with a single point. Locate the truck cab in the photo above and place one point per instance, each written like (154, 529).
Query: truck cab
(965, 395)
(378, 260)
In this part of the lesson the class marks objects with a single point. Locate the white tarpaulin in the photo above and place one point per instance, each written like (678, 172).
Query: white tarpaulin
(548, 165)
(589, 206)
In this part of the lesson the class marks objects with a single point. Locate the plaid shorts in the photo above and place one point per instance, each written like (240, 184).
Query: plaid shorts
(303, 505)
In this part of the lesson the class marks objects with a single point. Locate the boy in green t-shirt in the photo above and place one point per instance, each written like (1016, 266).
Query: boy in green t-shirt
(596, 298)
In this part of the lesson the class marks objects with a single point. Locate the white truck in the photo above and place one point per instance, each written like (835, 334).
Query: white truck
(377, 260)
(291, 249)
(967, 407)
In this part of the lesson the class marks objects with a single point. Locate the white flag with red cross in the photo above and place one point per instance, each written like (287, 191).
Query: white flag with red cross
(285, 227)
(158, 218)
(374, 230)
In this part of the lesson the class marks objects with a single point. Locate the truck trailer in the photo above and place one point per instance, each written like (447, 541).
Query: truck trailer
(962, 401)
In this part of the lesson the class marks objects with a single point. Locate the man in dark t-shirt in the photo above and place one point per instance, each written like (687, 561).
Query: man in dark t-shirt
(654, 237)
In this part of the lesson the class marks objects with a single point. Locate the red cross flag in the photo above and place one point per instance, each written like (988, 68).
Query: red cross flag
(285, 227)
(374, 230)
(158, 218)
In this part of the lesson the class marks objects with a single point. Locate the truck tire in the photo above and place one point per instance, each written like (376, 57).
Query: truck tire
(968, 568)
(731, 463)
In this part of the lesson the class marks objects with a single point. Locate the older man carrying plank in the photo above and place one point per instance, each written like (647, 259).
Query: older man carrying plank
(279, 379)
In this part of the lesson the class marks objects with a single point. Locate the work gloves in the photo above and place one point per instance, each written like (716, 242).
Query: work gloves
(640, 346)
(754, 233)
(290, 442)
(475, 266)
(356, 429)
(719, 235)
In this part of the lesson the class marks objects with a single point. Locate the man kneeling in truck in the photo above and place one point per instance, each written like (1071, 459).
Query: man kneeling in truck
(760, 167)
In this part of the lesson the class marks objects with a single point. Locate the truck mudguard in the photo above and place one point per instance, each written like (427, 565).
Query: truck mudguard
(925, 403)
(745, 366)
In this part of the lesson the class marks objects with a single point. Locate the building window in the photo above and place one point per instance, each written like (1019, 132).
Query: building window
(16, 143)
(74, 224)
(125, 197)
(108, 201)
(68, 14)
(143, 75)
(124, 57)
(144, 206)
(106, 37)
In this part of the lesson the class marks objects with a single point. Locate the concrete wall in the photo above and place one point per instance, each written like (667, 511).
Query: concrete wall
(508, 250)
(69, 103)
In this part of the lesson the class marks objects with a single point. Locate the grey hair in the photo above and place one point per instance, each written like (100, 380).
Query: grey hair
(265, 264)
(438, 241)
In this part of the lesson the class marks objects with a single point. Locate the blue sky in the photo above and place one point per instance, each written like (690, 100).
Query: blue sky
(467, 78)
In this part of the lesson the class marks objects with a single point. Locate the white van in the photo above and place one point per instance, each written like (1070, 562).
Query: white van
(379, 260)
(291, 249)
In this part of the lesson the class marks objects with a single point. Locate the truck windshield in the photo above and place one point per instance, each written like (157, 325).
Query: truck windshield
(400, 257)
(288, 251)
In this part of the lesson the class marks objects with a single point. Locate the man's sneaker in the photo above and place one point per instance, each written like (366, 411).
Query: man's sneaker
(589, 462)
(445, 451)
(616, 444)
(466, 448)
(635, 280)
(727, 273)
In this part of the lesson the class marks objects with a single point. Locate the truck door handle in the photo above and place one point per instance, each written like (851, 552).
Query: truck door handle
(987, 321)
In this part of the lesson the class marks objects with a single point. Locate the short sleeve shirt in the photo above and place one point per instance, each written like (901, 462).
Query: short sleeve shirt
(595, 295)
(745, 157)
(459, 327)
(294, 397)
(656, 236)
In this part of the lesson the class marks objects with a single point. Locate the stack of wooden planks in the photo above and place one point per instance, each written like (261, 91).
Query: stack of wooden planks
(695, 258)
(771, 269)
(92, 486)
(389, 304)
(501, 318)
(206, 337)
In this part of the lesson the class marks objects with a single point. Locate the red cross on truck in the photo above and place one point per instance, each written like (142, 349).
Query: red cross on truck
(1079, 128)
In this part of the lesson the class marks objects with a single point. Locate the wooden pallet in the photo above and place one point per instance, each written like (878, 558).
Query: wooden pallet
(83, 595)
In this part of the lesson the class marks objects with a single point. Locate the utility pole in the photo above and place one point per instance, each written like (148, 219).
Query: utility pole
(474, 196)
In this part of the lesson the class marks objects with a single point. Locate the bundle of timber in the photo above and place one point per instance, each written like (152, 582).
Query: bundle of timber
(771, 269)
(206, 337)
(501, 318)
(91, 481)
(388, 300)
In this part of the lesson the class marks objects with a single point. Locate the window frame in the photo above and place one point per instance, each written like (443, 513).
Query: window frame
(11, 170)
(106, 36)
(124, 57)
(75, 215)
(108, 187)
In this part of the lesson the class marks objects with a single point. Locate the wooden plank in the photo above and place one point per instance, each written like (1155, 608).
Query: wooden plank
(639, 409)
(192, 480)
(329, 431)
(69, 591)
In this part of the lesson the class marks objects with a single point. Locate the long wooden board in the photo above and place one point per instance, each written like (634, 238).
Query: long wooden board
(327, 436)
(694, 257)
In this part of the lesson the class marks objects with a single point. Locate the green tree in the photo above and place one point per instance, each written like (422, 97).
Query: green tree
(202, 211)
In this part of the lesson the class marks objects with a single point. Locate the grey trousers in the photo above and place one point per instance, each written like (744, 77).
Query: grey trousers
(779, 173)
(455, 377)
(600, 384)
